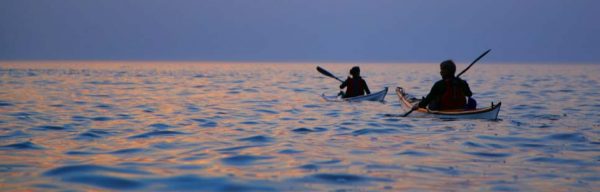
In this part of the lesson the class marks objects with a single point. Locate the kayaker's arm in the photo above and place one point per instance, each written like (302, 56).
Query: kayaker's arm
(436, 91)
(345, 83)
(467, 90)
(366, 87)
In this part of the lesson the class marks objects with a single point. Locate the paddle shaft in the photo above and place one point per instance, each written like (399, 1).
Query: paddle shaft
(327, 73)
(408, 113)
(475, 61)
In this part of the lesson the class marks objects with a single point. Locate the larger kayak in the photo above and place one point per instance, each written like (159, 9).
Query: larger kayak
(480, 113)
(377, 96)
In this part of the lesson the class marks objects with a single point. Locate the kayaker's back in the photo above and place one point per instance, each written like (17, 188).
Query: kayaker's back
(356, 86)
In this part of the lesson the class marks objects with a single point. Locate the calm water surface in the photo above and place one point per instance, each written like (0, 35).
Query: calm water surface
(263, 127)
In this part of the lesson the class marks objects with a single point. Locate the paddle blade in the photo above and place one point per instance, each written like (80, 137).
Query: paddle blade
(327, 73)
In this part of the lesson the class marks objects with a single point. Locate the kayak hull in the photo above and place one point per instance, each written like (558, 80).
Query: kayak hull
(377, 96)
(479, 113)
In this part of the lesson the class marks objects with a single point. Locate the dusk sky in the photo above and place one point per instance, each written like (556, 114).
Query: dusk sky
(541, 31)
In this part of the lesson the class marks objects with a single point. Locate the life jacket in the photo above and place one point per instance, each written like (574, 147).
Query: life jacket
(454, 96)
(355, 87)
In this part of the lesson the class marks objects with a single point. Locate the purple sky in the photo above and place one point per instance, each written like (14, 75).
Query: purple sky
(546, 31)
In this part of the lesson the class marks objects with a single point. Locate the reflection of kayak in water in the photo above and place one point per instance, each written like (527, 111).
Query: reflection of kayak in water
(377, 96)
(480, 113)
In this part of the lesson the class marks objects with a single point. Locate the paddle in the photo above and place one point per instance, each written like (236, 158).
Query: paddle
(463, 71)
(327, 73)
(475, 61)
(408, 113)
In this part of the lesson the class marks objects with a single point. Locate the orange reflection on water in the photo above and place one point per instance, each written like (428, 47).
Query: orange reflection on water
(173, 119)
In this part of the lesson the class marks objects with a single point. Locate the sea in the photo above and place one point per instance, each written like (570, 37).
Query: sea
(216, 126)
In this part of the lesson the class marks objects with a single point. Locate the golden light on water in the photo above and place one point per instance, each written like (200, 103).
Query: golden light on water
(241, 123)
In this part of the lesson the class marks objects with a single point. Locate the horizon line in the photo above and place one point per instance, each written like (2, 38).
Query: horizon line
(278, 61)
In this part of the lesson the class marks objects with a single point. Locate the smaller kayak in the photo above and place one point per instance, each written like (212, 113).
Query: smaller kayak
(377, 96)
(480, 113)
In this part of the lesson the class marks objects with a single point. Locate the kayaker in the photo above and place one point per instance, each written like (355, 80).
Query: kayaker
(448, 93)
(356, 85)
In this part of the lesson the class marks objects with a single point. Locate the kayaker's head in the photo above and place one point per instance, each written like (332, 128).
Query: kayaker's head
(447, 69)
(355, 72)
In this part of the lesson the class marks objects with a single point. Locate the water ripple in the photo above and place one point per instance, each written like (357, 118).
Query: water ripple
(290, 151)
(229, 149)
(258, 139)
(560, 161)
(244, 160)
(341, 179)
(156, 134)
(434, 169)
(508, 139)
(22, 146)
(127, 151)
(107, 182)
(86, 169)
(92, 134)
(572, 137)
(489, 154)
(206, 123)
(304, 130)
(5, 103)
(197, 183)
(413, 153)
(15, 134)
(160, 126)
(50, 128)
(368, 131)
(310, 167)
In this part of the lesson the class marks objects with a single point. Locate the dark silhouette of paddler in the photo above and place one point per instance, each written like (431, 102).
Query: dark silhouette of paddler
(449, 93)
(355, 85)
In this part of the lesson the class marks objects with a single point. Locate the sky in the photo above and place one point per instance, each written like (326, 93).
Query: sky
(535, 31)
